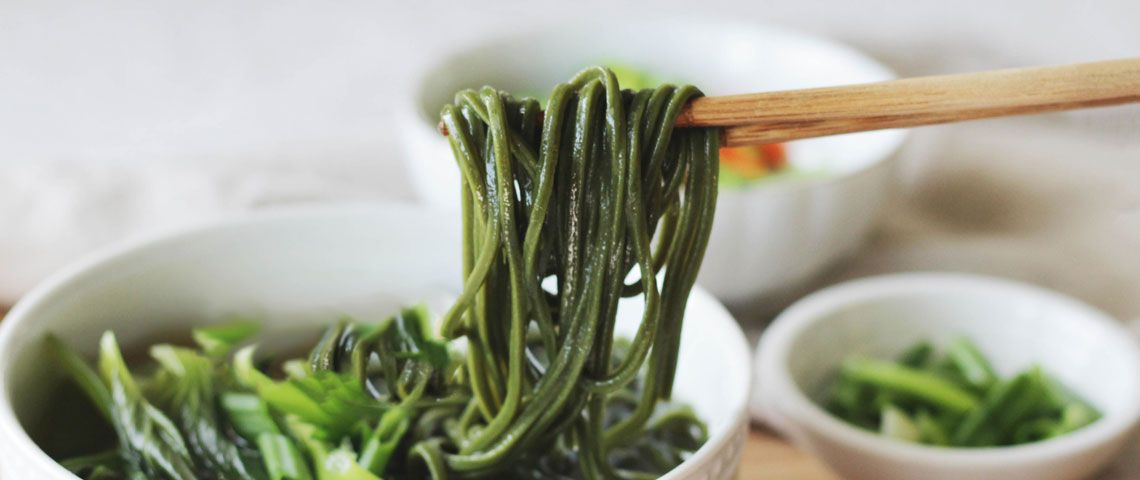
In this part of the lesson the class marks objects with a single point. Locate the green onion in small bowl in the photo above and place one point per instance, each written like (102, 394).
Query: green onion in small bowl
(954, 398)
(980, 398)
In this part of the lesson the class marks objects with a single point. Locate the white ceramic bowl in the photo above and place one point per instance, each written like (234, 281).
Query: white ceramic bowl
(1015, 325)
(767, 238)
(301, 270)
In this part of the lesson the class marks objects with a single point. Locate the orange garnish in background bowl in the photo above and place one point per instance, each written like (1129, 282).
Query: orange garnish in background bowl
(743, 164)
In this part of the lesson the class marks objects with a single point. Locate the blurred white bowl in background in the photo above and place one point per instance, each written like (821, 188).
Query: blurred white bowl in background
(296, 272)
(1014, 325)
(767, 239)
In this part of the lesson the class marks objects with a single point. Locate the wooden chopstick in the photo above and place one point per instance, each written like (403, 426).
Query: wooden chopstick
(773, 117)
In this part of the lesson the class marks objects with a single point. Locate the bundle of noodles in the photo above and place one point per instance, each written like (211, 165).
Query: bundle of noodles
(559, 209)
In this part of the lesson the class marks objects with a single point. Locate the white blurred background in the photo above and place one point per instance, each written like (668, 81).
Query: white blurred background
(123, 118)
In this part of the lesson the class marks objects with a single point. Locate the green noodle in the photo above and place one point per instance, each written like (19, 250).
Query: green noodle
(574, 197)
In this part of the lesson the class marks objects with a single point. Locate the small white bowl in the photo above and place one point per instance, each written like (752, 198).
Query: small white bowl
(1015, 325)
(767, 238)
(301, 270)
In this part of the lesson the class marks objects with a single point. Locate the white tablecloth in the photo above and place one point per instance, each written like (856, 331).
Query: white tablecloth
(123, 118)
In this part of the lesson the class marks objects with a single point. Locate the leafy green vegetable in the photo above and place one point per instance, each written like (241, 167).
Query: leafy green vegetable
(918, 355)
(186, 391)
(282, 459)
(82, 374)
(249, 415)
(974, 367)
(330, 463)
(897, 424)
(978, 429)
(151, 444)
(329, 401)
(897, 378)
(932, 431)
(219, 340)
(1073, 417)
(370, 401)
(958, 400)
(378, 450)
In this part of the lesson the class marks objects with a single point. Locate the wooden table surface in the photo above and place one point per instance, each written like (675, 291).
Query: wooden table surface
(765, 456)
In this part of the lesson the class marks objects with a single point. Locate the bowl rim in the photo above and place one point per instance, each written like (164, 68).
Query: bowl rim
(414, 124)
(13, 434)
(790, 400)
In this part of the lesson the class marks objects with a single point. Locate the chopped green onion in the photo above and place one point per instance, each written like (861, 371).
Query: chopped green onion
(219, 340)
(918, 355)
(954, 400)
(970, 362)
(282, 459)
(896, 424)
(917, 383)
